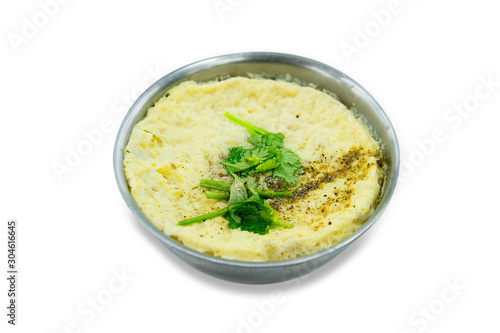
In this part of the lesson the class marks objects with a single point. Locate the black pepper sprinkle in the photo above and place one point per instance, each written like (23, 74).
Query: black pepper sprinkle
(322, 174)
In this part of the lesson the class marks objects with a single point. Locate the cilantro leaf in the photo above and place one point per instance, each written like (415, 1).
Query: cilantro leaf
(241, 159)
(281, 162)
(289, 167)
(237, 199)
(268, 139)
(254, 215)
(270, 164)
(232, 224)
(237, 191)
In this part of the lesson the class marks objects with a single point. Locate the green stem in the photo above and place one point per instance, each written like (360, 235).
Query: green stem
(250, 128)
(204, 217)
(213, 184)
(217, 196)
(273, 194)
(266, 194)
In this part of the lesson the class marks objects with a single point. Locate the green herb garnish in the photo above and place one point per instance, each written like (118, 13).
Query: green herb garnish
(241, 159)
(289, 167)
(204, 217)
(254, 215)
(258, 136)
(267, 155)
(246, 208)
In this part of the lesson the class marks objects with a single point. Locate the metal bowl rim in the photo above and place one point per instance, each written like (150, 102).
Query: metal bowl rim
(170, 79)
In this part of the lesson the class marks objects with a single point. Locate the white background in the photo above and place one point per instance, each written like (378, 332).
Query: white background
(77, 69)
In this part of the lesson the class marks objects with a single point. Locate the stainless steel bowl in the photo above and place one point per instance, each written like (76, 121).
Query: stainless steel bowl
(273, 64)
